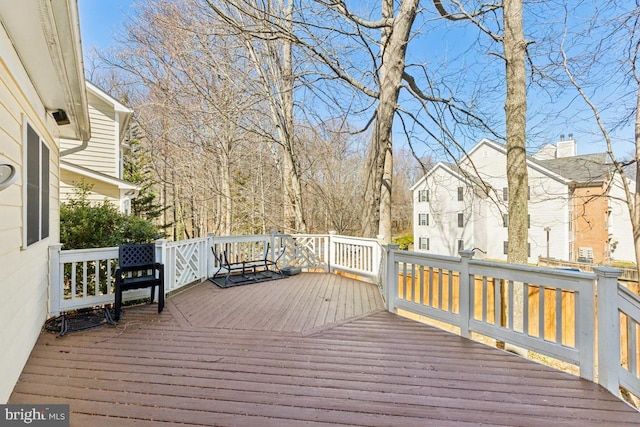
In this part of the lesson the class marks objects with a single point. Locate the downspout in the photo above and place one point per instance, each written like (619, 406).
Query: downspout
(75, 149)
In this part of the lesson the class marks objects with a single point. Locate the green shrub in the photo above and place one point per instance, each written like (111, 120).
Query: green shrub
(404, 242)
(86, 225)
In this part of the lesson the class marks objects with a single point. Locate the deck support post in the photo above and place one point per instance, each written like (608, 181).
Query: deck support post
(391, 276)
(608, 328)
(56, 284)
(465, 284)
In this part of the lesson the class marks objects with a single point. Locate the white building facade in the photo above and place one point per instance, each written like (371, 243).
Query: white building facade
(465, 206)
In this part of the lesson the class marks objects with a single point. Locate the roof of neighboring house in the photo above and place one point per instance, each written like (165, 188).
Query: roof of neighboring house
(585, 169)
(450, 168)
(51, 53)
(120, 183)
(582, 170)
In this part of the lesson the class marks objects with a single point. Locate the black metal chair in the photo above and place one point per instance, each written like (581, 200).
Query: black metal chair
(138, 269)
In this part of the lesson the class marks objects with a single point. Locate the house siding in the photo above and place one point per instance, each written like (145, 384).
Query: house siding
(620, 228)
(101, 155)
(100, 190)
(443, 209)
(24, 281)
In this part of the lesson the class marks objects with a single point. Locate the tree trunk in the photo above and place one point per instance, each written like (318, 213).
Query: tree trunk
(377, 214)
(516, 112)
(635, 209)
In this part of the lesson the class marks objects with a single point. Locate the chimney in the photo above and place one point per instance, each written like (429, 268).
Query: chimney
(566, 148)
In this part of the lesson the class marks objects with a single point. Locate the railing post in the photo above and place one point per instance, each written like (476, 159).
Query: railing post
(161, 257)
(608, 328)
(391, 279)
(209, 255)
(272, 245)
(378, 260)
(330, 254)
(464, 290)
(56, 282)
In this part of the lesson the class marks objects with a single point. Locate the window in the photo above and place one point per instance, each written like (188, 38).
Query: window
(505, 248)
(423, 242)
(505, 194)
(585, 254)
(529, 193)
(423, 195)
(423, 219)
(460, 194)
(37, 188)
(460, 220)
(460, 245)
(505, 220)
(528, 221)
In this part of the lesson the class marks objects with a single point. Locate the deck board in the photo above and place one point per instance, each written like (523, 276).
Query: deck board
(314, 349)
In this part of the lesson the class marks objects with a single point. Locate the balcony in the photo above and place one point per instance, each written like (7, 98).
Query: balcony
(326, 347)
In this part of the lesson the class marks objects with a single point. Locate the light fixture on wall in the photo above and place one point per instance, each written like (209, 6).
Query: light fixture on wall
(8, 174)
(130, 193)
(60, 116)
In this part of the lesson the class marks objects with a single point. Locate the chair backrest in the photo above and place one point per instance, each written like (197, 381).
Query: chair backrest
(136, 256)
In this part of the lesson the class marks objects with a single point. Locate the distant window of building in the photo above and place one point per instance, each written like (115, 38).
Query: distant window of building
(505, 194)
(528, 221)
(460, 194)
(460, 245)
(505, 220)
(505, 247)
(423, 195)
(460, 220)
(529, 193)
(529, 250)
(423, 219)
(585, 254)
(423, 243)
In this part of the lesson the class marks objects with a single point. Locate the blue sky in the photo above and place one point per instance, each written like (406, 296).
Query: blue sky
(99, 20)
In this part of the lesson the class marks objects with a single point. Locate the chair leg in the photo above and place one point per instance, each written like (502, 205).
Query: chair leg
(153, 294)
(160, 297)
(118, 304)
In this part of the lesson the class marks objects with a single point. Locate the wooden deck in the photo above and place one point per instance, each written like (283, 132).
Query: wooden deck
(313, 349)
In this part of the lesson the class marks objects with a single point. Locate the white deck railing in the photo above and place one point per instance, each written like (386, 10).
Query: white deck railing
(551, 312)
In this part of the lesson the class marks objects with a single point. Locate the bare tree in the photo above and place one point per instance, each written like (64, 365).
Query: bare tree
(514, 45)
(256, 24)
(607, 33)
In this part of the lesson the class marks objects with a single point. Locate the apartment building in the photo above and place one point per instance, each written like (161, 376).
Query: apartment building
(574, 207)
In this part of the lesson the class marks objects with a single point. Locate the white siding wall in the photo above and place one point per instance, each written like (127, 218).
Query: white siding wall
(24, 272)
(101, 154)
(100, 190)
(548, 206)
(443, 209)
(620, 223)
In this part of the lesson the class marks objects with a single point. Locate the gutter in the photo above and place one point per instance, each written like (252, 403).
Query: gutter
(60, 23)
